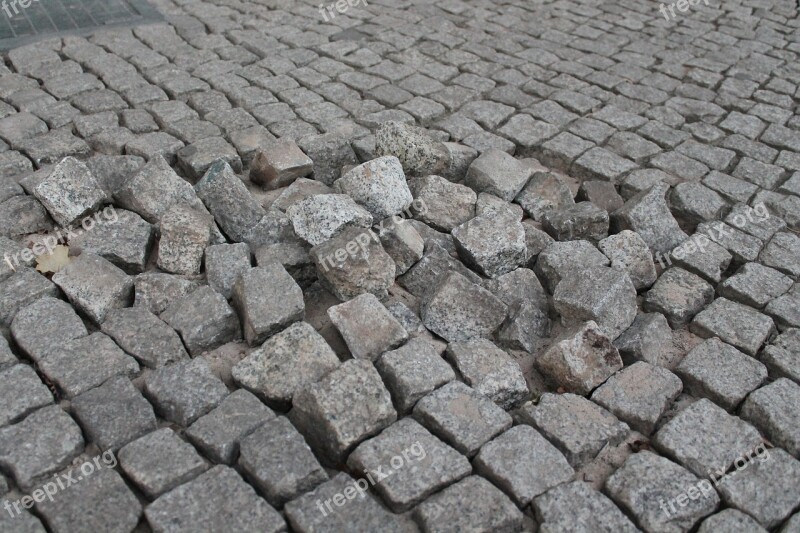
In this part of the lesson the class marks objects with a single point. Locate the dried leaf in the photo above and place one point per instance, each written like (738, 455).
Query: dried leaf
(53, 262)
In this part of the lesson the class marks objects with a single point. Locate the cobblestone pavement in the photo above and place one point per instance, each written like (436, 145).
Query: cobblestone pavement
(576, 307)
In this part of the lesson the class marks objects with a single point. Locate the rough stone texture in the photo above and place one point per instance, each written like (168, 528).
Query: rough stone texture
(219, 433)
(721, 373)
(768, 489)
(203, 319)
(285, 363)
(639, 395)
(43, 443)
(447, 205)
(21, 392)
(279, 461)
(217, 500)
(184, 391)
(94, 286)
(461, 416)
(185, 234)
(648, 215)
(472, 503)
(352, 263)
(583, 220)
(267, 299)
(320, 217)
(576, 507)
(559, 257)
(459, 310)
(279, 164)
(490, 371)
(645, 480)
(70, 192)
(771, 409)
(234, 208)
(123, 238)
(580, 359)
(703, 438)
(523, 464)
(730, 520)
(735, 324)
(160, 461)
(140, 333)
(628, 252)
(600, 294)
(378, 185)
(576, 426)
(418, 153)
(367, 327)
(679, 295)
(428, 463)
(493, 245)
(113, 414)
(412, 371)
(498, 173)
(224, 263)
(44, 325)
(345, 407)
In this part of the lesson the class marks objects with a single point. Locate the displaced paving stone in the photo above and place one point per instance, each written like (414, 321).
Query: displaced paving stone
(46, 324)
(234, 208)
(629, 253)
(44, 443)
(755, 285)
(679, 295)
(695, 203)
(583, 220)
(493, 245)
(378, 185)
(219, 433)
(735, 324)
(461, 416)
(185, 234)
(771, 409)
(402, 242)
(601, 164)
(157, 290)
(367, 327)
(646, 340)
(459, 310)
(579, 359)
(285, 363)
(345, 407)
(523, 464)
(705, 439)
(321, 217)
(267, 300)
(94, 285)
(602, 294)
(769, 490)
(699, 255)
(425, 464)
(572, 506)
(780, 357)
(498, 173)
(447, 205)
(603, 194)
(330, 152)
(489, 204)
(648, 215)
(490, 371)
(352, 263)
(639, 395)
(471, 503)
(153, 189)
(781, 253)
(279, 462)
(218, 499)
(184, 391)
(123, 238)
(300, 189)
(21, 392)
(574, 425)
(419, 154)
(224, 263)
(85, 363)
(114, 414)
(70, 192)
(196, 158)
(21, 215)
(114, 506)
(544, 191)
(279, 164)
(160, 461)
(358, 510)
(560, 257)
(412, 371)
(203, 319)
(643, 483)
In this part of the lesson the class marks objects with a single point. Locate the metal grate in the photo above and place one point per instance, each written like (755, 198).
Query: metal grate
(48, 18)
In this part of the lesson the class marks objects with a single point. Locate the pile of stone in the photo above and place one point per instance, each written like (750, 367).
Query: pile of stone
(319, 318)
